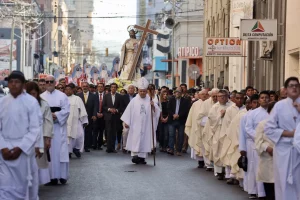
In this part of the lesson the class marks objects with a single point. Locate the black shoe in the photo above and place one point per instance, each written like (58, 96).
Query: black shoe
(209, 169)
(63, 181)
(87, 150)
(252, 196)
(77, 153)
(94, 148)
(111, 151)
(200, 164)
(230, 181)
(99, 148)
(142, 161)
(135, 160)
(220, 176)
(52, 182)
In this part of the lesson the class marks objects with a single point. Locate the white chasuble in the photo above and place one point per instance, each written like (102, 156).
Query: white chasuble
(138, 117)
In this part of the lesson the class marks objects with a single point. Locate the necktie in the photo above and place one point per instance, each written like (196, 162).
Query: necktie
(85, 97)
(100, 105)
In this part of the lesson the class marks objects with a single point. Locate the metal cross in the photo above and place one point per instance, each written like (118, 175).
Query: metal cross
(145, 30)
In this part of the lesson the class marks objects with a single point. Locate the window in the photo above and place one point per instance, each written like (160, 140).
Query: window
(183, 71)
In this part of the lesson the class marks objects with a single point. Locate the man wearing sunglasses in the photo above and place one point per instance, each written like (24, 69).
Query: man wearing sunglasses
(59, 152)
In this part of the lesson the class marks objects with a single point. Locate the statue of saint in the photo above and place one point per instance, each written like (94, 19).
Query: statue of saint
(128, 54)
(104, 76)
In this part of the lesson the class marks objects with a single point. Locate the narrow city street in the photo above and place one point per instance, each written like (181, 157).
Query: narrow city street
(98, 175)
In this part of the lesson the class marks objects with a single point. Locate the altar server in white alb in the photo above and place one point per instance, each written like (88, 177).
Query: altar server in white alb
(280, 129)
(20, 126)
(137, 117)
(44, 144)
(59, 151)
(253, 119)
(78, 118)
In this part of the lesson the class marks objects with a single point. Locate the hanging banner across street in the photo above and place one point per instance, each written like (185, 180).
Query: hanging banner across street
(223, 47)
(259, 30)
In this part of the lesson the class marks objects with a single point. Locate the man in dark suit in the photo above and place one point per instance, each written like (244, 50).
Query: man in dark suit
(124, 103)
(90, 102)
(100, 123)
(111, 110)
(178, 109)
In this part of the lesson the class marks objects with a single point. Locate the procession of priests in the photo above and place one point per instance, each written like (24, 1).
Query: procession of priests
(250, 139)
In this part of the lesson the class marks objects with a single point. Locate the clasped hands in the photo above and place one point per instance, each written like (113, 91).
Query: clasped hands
(12, 154)
(175, 116)
(113, 110)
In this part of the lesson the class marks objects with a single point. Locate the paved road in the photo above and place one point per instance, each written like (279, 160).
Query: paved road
(101, 176)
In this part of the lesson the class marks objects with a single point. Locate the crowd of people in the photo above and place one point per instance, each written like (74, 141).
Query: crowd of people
(249, 138)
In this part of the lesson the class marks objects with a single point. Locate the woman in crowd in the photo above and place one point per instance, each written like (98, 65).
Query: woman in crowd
(60, 87)
(44, 142)
(163, 125)
(123, 92)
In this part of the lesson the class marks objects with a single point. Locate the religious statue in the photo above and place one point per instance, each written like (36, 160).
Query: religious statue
(77, 74)
(95, 75)
(59, 74)
(104, 76)
(116, 67)
(87, 70)
(128, 53)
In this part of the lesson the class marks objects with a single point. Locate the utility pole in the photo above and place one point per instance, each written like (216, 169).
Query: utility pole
(12, 36)
(173, 46)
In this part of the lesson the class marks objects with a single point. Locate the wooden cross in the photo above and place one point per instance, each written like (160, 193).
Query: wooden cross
(145, 30)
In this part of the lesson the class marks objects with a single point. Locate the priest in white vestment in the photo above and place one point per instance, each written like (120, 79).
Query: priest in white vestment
(59, 151)
(192, 129)
(20, 126)
(255, 117)
(202, 117)
(231, 112)
(280, 129)
(215, 118)
(78, 119)
(137, 117)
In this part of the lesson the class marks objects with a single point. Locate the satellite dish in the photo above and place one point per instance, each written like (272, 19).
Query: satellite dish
(193, 72)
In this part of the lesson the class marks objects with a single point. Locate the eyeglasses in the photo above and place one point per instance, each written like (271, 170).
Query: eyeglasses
(47, 82)
(60, 88)
(293, 86)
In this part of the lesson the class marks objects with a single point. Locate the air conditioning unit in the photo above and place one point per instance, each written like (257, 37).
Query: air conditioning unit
(266, 49)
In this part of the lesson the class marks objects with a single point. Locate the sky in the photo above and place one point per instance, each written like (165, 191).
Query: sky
(112, 33)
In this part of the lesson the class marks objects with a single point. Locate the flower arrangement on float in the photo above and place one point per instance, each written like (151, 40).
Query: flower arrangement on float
(121, 83)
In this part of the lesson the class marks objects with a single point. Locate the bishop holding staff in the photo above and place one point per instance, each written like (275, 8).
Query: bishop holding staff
(138, 116)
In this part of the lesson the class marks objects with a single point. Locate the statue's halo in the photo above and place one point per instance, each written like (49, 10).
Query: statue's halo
(131, 28)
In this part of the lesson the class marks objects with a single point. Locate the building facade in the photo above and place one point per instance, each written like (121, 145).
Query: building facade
(292, 66)
(216, 24)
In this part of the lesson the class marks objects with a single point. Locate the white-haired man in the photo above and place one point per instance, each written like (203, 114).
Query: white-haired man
(192, 128)
(204, 126)
(137, 117)
(59, 151)
(124, 103)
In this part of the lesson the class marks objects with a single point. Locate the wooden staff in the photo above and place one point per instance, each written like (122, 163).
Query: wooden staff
(152, 130)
